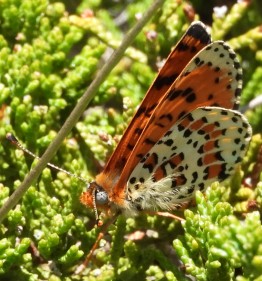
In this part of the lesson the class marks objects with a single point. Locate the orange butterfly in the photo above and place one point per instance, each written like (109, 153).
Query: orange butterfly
(184, 135)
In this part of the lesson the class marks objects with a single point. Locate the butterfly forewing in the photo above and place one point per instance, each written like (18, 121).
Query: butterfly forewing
(195, 39)
(212, 78)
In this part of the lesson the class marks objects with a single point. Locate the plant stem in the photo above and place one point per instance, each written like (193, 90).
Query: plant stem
(78, 110)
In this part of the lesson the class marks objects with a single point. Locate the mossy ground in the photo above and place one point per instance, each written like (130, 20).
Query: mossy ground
(49, 53)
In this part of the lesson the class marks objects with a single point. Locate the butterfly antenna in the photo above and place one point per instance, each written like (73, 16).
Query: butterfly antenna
(15, 141)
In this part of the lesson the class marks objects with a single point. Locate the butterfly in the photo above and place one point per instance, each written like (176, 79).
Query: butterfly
(185, 135)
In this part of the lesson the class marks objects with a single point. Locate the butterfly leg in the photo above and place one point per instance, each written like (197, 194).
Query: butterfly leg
(164, 214)
(101, 234)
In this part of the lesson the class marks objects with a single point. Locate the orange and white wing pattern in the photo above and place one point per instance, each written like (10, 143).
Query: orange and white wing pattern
(202, 147)
(194, 40)
(185, 134)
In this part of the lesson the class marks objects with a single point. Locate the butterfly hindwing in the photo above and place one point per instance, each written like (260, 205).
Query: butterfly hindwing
(204, 146)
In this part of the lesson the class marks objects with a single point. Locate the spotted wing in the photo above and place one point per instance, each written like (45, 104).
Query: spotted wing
(212, 78)
(204, 146)
(195, 39)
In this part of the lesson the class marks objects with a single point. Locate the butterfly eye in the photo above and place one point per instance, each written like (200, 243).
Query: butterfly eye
(101, 197)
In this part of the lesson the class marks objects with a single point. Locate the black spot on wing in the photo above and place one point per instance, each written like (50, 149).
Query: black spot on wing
(162, 81)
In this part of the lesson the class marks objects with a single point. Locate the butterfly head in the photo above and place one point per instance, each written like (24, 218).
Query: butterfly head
(94, 197)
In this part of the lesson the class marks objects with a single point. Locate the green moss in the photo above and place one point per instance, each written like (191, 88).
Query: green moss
(216, 242)
(48, 57)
